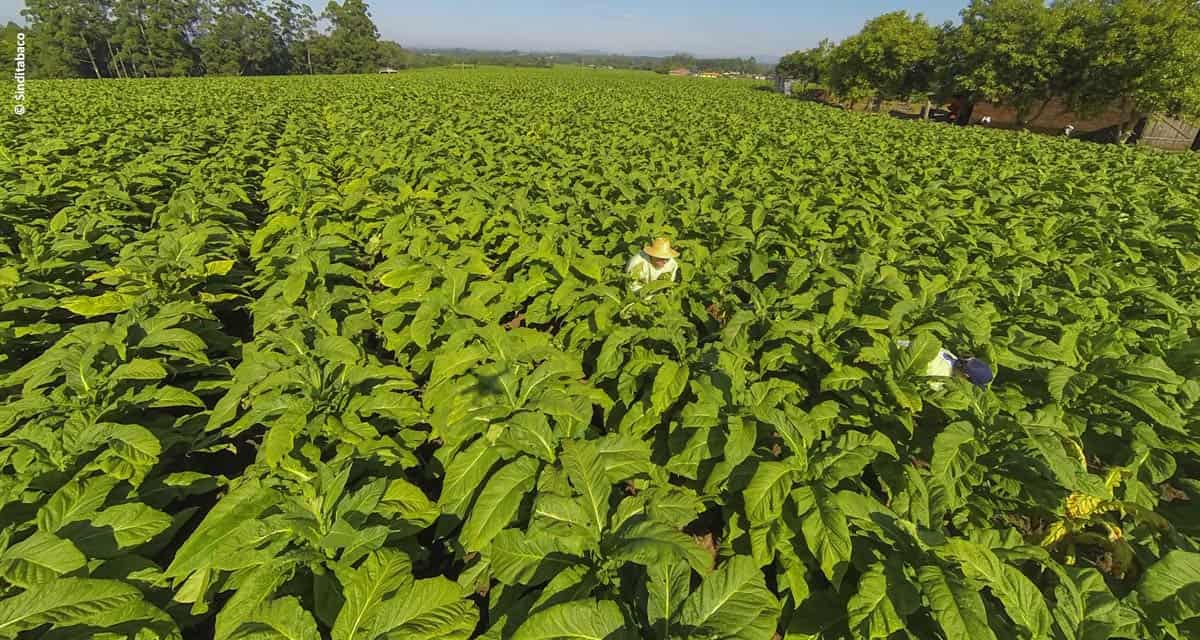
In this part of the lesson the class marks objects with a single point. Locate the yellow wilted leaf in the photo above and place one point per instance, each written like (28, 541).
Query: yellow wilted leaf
(1055, 534)
(111, 273)
(9, 277)
(111, 302)
(1080, 505)
(218, 267)
(1078, 448)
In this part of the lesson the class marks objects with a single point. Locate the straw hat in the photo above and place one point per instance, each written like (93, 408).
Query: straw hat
(660, 248)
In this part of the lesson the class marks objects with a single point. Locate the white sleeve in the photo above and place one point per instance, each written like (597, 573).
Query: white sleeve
(638, 271)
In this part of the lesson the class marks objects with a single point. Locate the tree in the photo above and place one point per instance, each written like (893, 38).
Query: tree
(295, 26)
(810, 65)
(1008, 52)
(1143, 55)
(354, 38)
(677, 61)
(892, 57)
(847, 74)
(70, 37)
(392, 55)
(239, 39)
(155, 37)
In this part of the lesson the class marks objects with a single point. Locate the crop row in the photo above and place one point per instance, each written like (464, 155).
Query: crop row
(357, 359)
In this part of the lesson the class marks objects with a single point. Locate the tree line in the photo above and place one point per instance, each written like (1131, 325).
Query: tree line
(160, 38)
(1140, 55)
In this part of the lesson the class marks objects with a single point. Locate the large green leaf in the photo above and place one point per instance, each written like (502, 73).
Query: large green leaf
(1145, 399)
(732, 602)
(767, 491)
(825, 530)
(381, 574)
(498, 502)
(1170, 588)
(650, 543)
(958, 610)
(61, 602)
(1021, 599)
(581, 462)
(669, 382)
(872, 613)
(576, 620)
(425, 610)
(280, 619)
(464, 475)
(244, 502)
(527, 559)
(39, 558)
(667, 586)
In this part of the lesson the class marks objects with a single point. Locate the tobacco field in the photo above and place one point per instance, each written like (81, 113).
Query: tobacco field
(355, 358)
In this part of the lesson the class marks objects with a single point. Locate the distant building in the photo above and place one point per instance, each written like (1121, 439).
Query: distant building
(387, 70)
(680, 71)
(709, 74)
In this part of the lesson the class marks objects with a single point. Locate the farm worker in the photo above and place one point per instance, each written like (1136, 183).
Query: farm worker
(1068, 130)
(655, 260)
(948, 365)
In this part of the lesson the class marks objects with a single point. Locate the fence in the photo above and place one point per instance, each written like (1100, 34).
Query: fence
(1169, 133)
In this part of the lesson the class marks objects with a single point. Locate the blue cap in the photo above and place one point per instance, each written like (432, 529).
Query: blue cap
(978, 371)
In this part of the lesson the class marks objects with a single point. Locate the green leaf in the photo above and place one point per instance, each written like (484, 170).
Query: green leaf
(610, 358)
(1057, 380)
(1085, 608)
(650, 543)
(1020, 597)
(63, 602)
(582, 465)
(76, 500)
(456, 362)
(424, 610)
(843, 378)
(1170, 588)
(498, 502)
(871, 612)
(575, 620)
(527, 559)
(530, 433)
(623, 456)
(958, 610)
(667, 586)
(38, 559)
(767, 491)
(383, 572)
(732, 602)
(1145, 399)
(9, 277)
(954, 453)
(464, 474)
(244, 502)
(280, 619)
(118, 528)
(254, 591)
(1152, 368)
(825, 530)
(138, 369)
(669, 383)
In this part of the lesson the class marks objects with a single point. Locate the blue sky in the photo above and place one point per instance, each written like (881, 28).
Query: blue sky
(701, 27)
